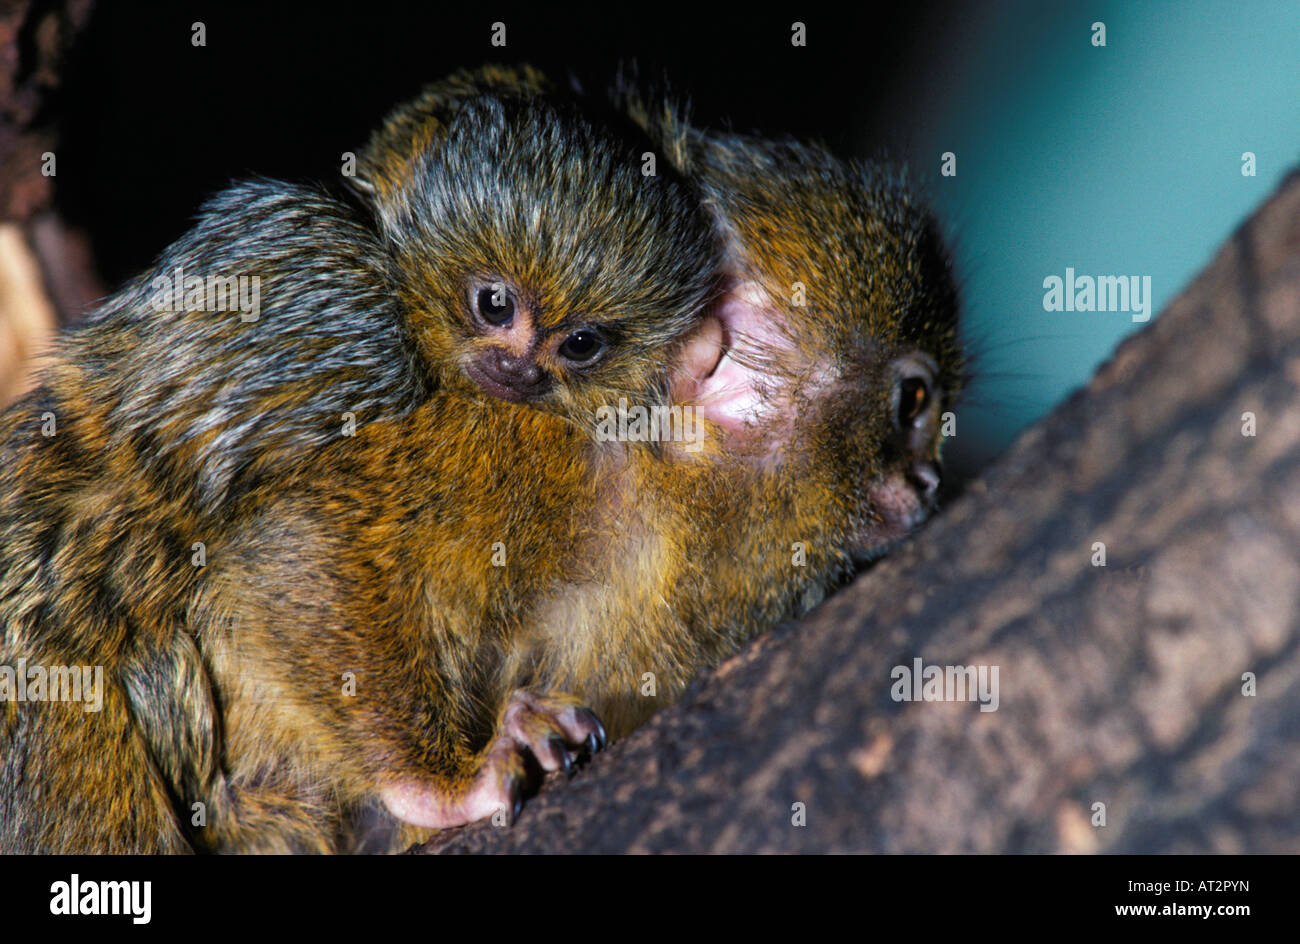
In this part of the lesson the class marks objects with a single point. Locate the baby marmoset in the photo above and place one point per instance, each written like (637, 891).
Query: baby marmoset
(278, 535)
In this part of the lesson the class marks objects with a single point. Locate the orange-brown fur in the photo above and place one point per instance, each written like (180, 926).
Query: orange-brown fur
(371, 555)
(348, 483)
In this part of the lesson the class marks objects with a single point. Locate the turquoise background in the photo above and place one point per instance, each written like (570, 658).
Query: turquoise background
(1122, 160)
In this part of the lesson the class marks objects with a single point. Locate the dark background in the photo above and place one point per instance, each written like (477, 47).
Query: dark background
(152, 125)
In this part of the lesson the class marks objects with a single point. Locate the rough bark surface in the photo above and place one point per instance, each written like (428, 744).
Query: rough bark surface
(1120, 685)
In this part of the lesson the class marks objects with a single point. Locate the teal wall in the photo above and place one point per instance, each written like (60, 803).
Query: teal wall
(1123, 160)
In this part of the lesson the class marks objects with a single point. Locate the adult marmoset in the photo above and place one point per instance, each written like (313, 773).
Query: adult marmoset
(822, 374)
(278, 530)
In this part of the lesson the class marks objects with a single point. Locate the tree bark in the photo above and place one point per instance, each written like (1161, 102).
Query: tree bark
(1119, 685)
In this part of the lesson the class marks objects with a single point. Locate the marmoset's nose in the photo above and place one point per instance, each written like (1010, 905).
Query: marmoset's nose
(925, 477)
(516, 371)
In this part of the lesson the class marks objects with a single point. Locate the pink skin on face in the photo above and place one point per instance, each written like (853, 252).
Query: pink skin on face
(721, 371)
(899, 506)
(722, 376)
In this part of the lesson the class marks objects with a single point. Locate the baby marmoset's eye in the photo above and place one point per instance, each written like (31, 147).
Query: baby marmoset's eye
(582, 346)
(494, 304)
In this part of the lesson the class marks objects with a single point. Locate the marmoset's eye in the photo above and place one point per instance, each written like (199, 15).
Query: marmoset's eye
(913, 397)
(582, 347)
(495, 305)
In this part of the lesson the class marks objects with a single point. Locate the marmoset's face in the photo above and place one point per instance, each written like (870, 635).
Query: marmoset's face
(541, 266)
(518, 345)
(845, 382)
(520, 357)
